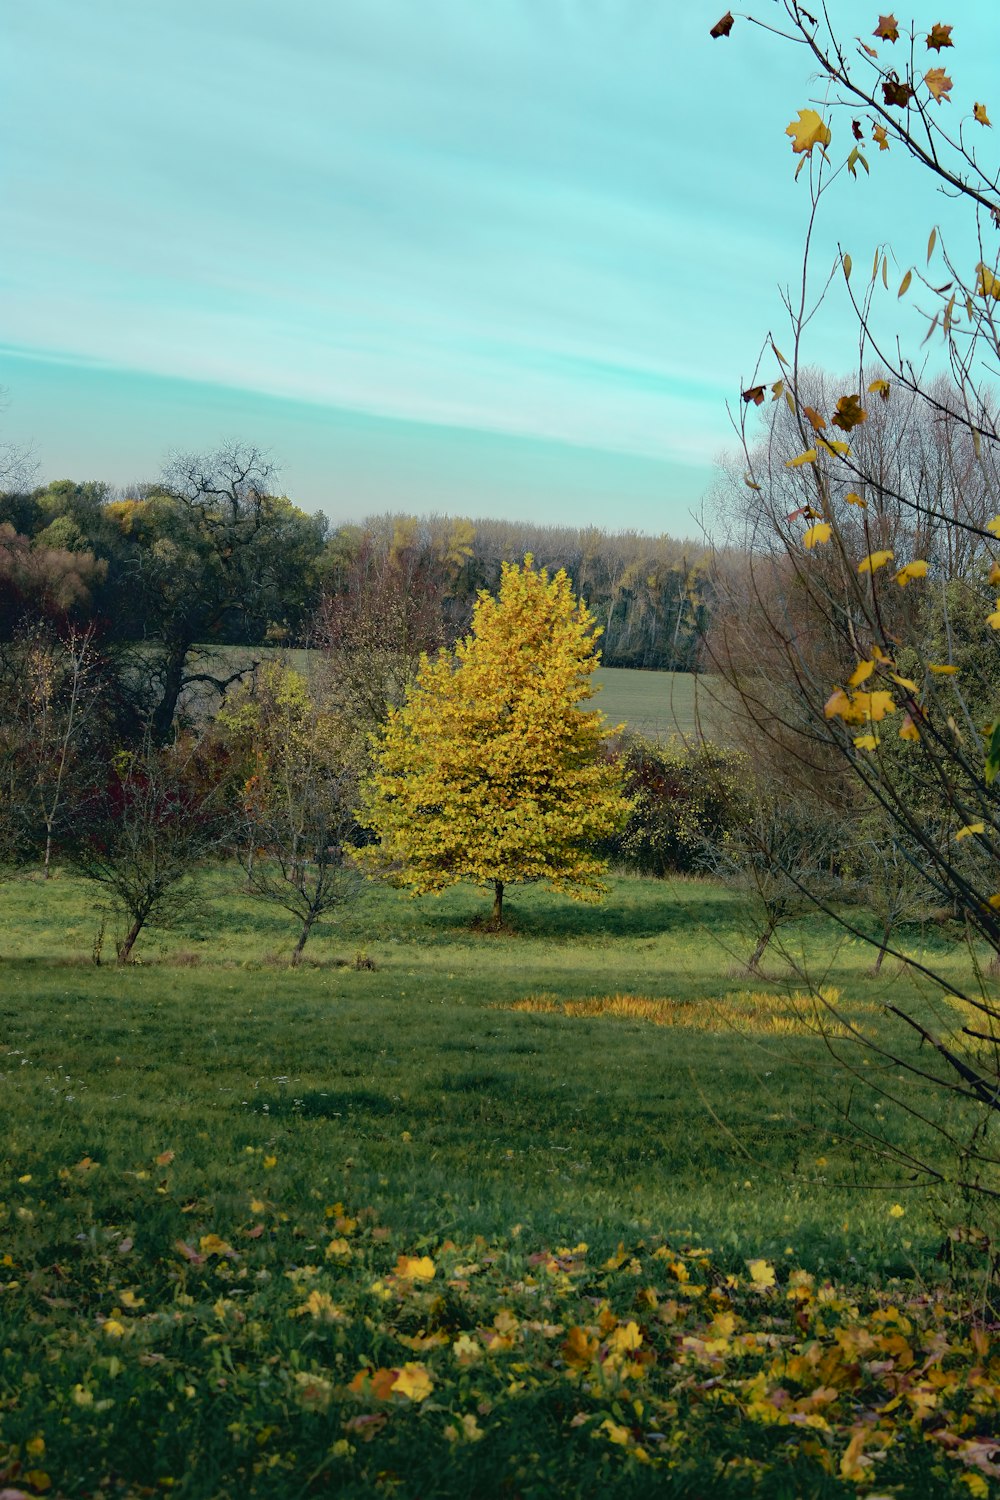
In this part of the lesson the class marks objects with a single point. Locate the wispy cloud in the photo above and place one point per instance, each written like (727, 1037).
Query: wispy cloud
(551, 219)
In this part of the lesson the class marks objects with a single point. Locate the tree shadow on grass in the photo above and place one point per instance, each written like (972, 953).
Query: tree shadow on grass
(647, 910)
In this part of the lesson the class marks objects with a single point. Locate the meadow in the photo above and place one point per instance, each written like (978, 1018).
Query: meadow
(569, 1208)
(654, 704)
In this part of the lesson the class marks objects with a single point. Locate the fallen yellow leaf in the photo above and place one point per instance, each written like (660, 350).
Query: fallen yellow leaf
(413, 1381)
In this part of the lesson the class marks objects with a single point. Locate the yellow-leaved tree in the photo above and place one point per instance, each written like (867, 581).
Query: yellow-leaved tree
(490, 771)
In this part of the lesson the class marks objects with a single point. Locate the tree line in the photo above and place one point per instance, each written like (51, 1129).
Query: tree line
(212, 553)
(489, 770)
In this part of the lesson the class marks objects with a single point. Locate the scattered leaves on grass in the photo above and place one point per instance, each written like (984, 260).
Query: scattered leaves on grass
(271, 1365)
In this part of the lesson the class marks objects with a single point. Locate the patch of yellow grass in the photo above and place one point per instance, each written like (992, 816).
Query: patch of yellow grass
(986, 1041)
(745, 1010)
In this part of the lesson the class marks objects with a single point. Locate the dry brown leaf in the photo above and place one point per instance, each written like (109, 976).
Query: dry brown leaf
(896, 93)
(940, 36)
(939, 84)
(850, 413)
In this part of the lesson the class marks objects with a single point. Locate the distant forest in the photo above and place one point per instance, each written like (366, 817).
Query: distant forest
(210, 555)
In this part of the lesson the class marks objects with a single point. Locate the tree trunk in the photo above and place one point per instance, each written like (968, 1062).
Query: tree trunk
(498, 903)
(758, 952)
(303, 939)
(887, 934)
(125, 951)
(173, 681)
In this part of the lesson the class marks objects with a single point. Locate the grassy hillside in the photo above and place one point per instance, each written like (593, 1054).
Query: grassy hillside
(657, 704)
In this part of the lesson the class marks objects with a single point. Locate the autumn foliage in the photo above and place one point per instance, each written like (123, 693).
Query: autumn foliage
(863, 586)
(492, 771)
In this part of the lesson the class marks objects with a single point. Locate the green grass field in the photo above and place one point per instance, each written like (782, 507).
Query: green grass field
(416, 1230)
(656, 704)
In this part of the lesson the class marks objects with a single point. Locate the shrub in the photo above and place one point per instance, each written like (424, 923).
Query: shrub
(686, 795)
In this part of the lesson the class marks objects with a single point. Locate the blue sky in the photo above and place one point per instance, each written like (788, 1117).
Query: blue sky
(510, 259)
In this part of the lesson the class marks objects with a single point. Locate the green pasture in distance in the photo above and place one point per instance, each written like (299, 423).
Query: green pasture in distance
(659, 704)
(655, 704)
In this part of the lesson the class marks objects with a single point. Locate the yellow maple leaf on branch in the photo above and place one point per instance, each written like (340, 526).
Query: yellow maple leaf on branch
(808, 131)
(915, 569)
(850, 413)
(874, 706)
(874, 561)
(837, 705)
(940, 36)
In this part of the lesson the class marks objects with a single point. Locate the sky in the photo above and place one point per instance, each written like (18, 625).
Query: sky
(487, 260)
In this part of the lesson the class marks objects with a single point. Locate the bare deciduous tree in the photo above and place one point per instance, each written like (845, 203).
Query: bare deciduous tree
(144, 832)
(872, 521)
(298, 798)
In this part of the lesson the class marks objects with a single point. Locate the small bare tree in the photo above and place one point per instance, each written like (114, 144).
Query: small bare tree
(298, 797)
(143, 833)
(58, 697)
(776, 859)
(301, 839)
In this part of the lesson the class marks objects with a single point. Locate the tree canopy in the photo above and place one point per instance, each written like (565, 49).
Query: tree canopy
(492, 770)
